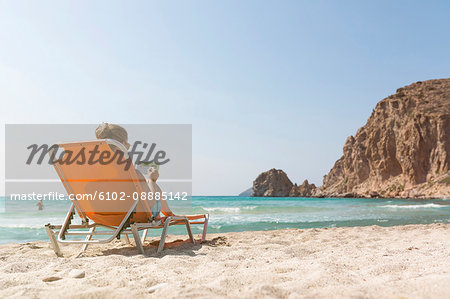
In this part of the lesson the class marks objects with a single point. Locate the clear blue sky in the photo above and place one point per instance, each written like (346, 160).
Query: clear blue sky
(264, 83)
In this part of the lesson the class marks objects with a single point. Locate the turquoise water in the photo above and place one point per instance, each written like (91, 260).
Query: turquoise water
(231, 214)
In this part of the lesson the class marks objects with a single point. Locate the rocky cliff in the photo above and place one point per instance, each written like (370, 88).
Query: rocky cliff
(402, 151)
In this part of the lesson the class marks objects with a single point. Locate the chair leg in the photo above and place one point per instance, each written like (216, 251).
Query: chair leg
(53, 241)
(144, 235)
(88, 237)
(162, 241)
(188, 227)
(127, 239)
(205, 226)
(137, 238)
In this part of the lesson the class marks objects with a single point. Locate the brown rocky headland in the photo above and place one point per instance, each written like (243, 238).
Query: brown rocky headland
(402, 151)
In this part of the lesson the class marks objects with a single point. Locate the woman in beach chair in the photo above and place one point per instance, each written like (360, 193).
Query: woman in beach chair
(97, 181)
(118, 133)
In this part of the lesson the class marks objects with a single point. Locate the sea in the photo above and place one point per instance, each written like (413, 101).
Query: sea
(235, 214)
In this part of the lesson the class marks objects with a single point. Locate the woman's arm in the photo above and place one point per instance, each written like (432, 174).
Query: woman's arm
(153, 175)
(164, 206)
(165, 209)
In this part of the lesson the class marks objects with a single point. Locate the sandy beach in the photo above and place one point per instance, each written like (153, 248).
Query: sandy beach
(410, 261)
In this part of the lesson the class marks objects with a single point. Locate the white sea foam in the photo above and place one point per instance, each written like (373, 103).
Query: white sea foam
(428, 205)
(228, 209)
(36, 226)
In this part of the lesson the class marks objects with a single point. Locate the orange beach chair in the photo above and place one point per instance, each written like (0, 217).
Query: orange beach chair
(127, 214)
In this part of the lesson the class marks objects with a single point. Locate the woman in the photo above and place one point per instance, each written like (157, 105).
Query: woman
(118, 133)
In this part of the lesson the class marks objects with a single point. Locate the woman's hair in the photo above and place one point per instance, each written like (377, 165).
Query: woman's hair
(111, 131)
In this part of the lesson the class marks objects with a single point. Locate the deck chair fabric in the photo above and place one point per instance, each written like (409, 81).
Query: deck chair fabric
(100, 183)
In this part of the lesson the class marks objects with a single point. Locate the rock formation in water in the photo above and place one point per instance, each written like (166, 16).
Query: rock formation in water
(275, 183)
(246, 193)
(402, 151)
(272, 183)
(304, 190)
